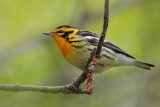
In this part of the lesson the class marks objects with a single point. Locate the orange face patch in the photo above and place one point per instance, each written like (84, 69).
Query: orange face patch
(63, 45)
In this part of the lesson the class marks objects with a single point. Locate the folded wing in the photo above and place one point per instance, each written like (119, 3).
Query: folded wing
(93, 38)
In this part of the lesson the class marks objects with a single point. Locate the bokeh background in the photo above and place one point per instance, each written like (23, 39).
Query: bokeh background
(27, 57)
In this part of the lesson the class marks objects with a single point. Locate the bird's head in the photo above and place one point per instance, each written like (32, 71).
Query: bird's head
(64, 31)
(62, 35)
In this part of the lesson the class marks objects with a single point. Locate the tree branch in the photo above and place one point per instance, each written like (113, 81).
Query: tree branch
(105, 26)
(67, 89)
(95, 58)
(86, 74)
(45, 89)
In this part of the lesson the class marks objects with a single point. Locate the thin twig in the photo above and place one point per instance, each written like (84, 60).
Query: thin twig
(56, 89)
(105, 26)
(97, 55)
(45, 89)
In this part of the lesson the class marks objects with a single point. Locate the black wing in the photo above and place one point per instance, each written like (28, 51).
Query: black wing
(87, 33)
(117, 49)
(94, 39)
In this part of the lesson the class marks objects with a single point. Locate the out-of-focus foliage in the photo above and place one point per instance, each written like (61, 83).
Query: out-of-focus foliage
(29, 58)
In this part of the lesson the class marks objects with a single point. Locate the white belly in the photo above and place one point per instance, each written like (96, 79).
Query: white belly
(80, 57)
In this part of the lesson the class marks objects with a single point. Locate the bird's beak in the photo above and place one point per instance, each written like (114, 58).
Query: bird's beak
(47, 33)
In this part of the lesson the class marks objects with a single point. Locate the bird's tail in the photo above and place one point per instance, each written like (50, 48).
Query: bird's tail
(144, 65)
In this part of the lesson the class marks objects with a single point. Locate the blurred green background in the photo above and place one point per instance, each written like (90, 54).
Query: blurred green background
(27, 57)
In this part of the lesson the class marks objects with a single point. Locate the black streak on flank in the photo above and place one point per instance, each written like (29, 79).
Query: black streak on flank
(101, 64)
(89, 49)
(78, 47)
(66, 34)
(108, 57)
(108, 52)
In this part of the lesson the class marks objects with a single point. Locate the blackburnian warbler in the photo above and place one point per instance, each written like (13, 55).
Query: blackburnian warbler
(77, 45)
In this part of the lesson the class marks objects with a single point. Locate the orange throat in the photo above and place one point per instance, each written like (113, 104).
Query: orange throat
(63, 45)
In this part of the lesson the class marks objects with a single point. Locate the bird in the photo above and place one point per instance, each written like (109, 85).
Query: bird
(77, 45)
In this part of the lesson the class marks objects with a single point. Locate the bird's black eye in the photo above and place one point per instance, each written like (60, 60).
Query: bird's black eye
(61, 31)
